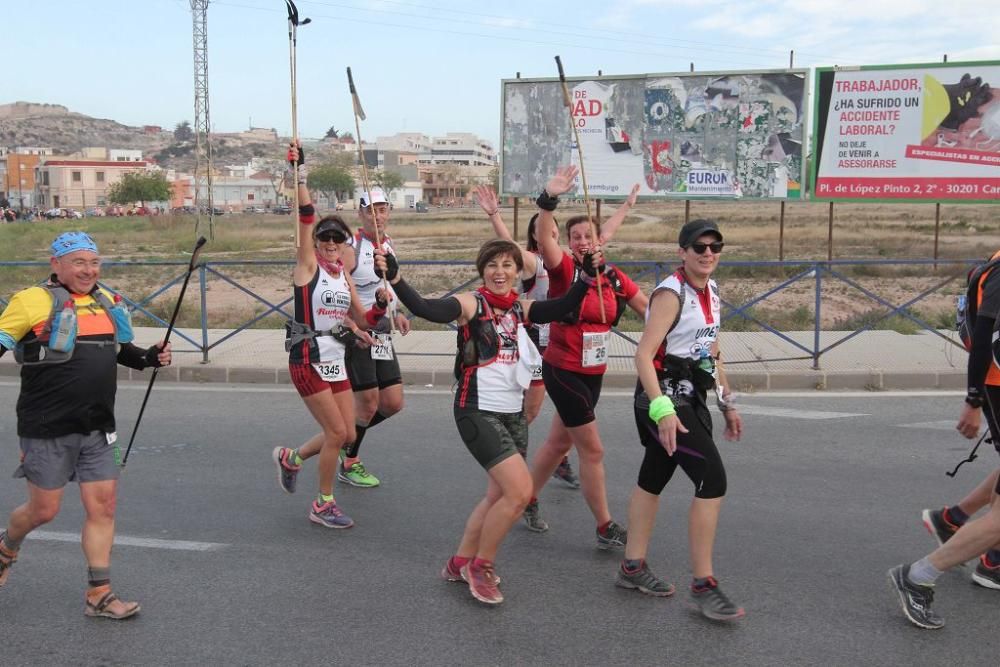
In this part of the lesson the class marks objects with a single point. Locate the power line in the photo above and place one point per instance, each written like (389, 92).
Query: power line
(549, 43)
(602, 33)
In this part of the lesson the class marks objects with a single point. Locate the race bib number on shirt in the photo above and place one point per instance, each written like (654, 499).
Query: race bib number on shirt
(382, 349)
(543, 335)
(595, 349)
(331, 372)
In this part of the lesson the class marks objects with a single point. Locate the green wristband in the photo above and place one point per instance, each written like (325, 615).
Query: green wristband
(661, 407)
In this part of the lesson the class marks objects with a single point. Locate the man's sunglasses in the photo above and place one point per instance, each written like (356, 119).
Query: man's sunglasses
(700, 247)
(335, 236)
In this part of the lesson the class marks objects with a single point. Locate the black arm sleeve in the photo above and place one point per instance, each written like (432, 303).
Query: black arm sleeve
(441, 311)
(551, 310)
(132, 356)
(981, 354)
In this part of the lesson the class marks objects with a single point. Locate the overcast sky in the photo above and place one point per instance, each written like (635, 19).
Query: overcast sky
(435, 65)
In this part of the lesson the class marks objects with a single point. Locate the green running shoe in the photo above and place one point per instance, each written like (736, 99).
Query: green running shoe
(358, 476)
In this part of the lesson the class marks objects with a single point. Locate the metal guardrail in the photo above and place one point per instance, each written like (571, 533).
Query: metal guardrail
(820, 272)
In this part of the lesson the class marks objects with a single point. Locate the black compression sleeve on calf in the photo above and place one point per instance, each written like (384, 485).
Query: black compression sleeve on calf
(440, 311)
(980, 356)
(552, 310)
(351, 450)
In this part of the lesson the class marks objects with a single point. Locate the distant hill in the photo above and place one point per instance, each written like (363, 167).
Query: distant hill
(65, 131)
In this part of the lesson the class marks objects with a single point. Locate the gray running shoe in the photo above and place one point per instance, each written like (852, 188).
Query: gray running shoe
(564, 473)
(329, 515)
(915, 600)
(938, 526)
(533, 520)
(644, 581)
(712, 603)
(614, 537)
(986, 576)
(287, 471)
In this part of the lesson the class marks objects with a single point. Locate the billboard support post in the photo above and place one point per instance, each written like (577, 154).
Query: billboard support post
(598, 211)
(687, 211)
(517, 200)
(781, 234)
(937, 231)
(829, 240)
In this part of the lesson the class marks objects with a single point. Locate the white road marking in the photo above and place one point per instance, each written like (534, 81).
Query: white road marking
(125, 540)
(942, 425)
(790, 413)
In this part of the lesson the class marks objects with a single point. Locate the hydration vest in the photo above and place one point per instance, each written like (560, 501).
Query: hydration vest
(621, 302)
(478, 341)
(968, 306)
(56, 341)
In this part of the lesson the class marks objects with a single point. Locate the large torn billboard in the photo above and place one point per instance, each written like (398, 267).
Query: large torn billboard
(684, 136)
(908, 133)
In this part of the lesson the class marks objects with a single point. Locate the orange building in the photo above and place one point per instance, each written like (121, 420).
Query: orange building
(19, 180)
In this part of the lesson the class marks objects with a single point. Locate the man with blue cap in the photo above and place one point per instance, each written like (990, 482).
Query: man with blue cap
(69, 336)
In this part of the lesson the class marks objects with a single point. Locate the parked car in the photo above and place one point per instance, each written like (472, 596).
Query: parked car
(94, 213)
(282, 210)
(254, 209)
(420, 207)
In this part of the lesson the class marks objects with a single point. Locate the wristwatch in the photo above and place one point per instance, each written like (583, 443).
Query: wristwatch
(974, 401)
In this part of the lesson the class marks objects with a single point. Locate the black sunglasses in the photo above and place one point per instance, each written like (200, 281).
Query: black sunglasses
(700, 247)
(335, 236)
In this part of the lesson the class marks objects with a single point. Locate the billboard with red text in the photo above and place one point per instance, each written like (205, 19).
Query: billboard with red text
(687, 136)
(908, 133)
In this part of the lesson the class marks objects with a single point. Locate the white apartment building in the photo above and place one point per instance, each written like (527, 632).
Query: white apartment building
(460, 148)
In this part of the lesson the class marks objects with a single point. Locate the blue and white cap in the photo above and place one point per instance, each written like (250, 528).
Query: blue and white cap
(68, 242)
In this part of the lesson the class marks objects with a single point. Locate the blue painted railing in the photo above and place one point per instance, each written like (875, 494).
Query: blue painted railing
(820, 272)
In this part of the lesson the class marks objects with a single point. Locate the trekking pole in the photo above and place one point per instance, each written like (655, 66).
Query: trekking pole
(359, 115)
(166, 339)
(568, 103)
(293, 26)
(972, 455)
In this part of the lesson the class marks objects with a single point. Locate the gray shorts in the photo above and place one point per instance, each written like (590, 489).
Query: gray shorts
(492, 437)
(50, 463)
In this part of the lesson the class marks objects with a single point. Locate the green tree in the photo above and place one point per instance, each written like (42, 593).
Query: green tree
(140, 187)
(183, 132)
(388, 181)
(331, 180)
(332, 133)
(494, 179)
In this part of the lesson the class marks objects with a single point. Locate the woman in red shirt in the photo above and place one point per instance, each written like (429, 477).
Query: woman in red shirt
(575, 361)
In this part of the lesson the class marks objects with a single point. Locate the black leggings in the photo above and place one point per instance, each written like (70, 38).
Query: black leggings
(575, 395)
(696, 454)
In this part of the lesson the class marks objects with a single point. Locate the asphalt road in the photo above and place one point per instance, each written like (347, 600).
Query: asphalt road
(825, 494)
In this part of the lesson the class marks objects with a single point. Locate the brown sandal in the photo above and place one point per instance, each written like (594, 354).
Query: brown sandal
(100, 608)
(7, 560)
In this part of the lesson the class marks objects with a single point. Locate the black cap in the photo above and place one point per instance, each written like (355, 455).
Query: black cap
(332, 225)
(694, 229)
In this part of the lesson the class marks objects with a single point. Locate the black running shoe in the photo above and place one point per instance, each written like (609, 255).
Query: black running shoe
(644, 581)
(614, 537)
(986, 576)
(938, 526)
(712, 603)
(915, 600)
